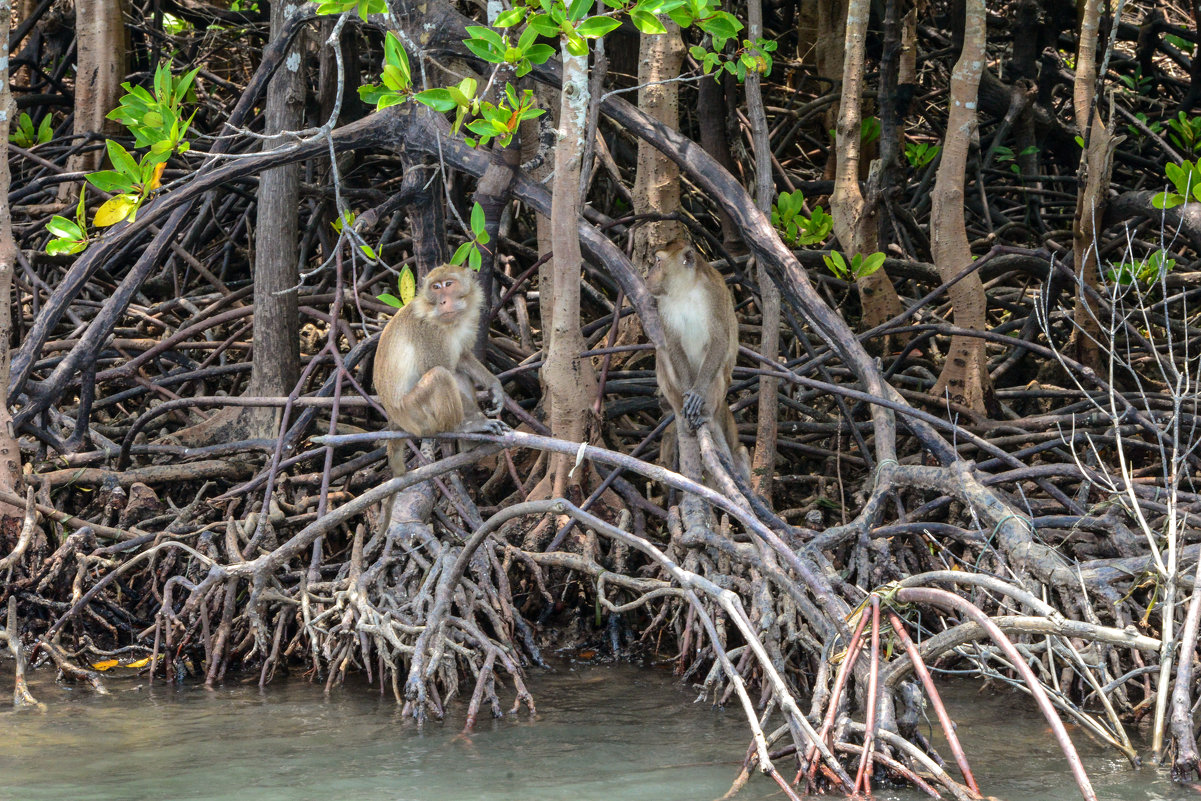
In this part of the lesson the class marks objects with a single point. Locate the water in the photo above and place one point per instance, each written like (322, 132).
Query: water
(601, 732)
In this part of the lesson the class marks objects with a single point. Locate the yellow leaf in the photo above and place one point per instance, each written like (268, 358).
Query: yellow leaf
(139, 663)
(114, 210)
(106, 664)
(408, 286)
(157, 180)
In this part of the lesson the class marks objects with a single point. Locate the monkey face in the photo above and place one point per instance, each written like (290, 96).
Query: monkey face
(448, 298)
(446, 290)
(677, 260)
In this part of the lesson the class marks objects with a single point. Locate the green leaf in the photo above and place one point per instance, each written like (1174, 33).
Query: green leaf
(437, 99)
(577, 46)
(391, 300)
(60, 247)
(45, 130)
(870, 264)
(1166, 200)
(389, 99)
(110, 181)
(64, 228)
(474, 259)
(488, 35)
(162, 81)
(646, 22)
(81, 212)
(121, 159)
(539, 53)
(477, 219)
(836, 263)
(579, 9)
(461, 253)
(185, 83)
(509, 18)
(543, 25)
(597, 27)
(485, 51)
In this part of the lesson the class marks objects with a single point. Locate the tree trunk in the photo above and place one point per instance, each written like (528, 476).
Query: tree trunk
(1096, 164)
(657, 178)
(764, 462)
(854, 217)
(569, 378)
(829, 51)
(276, 362)
(10, 455)
(275, 358)
(964, 375)
(100, 68)
(711, 120)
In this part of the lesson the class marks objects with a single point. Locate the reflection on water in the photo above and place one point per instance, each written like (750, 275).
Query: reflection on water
(611, 732)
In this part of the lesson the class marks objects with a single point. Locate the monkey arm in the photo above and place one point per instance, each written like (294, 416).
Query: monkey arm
(708, 393)
(482, 377)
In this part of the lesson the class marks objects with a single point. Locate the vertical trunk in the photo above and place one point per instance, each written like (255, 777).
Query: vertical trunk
(657, 178)
(569, 378)
(1093, 181)
(422, 185)
(854, 217)
(711, 119)
(964, 375)
(492, 192)
(763, 464)
(100, 68)
(10, 456)
(276, 356)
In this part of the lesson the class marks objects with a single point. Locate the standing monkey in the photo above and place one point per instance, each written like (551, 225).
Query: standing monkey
(425, 372)
(696, 364)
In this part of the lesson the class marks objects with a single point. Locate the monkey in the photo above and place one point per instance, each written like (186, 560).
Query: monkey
(696, 363)
(425, 372)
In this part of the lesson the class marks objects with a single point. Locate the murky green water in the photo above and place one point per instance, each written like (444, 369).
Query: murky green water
(602, 732)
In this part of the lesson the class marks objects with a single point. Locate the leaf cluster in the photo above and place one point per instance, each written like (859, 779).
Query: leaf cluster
(363, 8)
(156, 120)
(860, 267)
(796, 228)
(396, 78)
(1151, 269)
(157, 123)
(1185, 179)
(1185, 132)
(470, 251)
(26, 136)
(919, 154)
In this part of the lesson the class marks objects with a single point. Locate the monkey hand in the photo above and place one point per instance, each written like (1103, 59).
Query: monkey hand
(495, 427)
(496, 400)
(694, 408)
(480, 426)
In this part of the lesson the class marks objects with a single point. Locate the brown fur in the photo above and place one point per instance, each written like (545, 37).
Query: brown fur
(696, 365)
(425, 372)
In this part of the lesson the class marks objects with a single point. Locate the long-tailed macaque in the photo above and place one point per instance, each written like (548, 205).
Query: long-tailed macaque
(425, 372)
(695, 366)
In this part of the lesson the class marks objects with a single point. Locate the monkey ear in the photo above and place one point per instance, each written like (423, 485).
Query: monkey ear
(689, 257)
